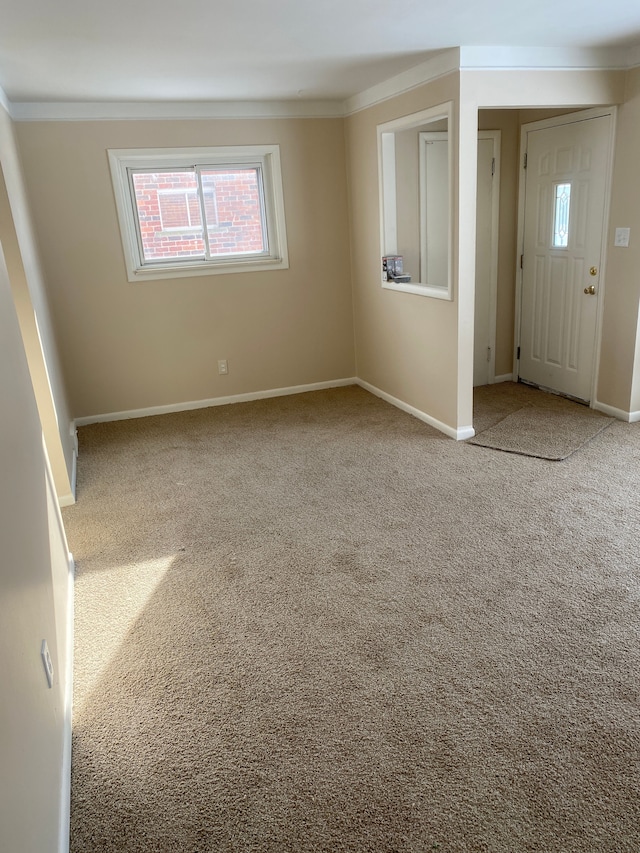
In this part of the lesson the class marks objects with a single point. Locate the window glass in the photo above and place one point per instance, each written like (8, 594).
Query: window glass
(169, 218)
(236, 224)
(562, 203)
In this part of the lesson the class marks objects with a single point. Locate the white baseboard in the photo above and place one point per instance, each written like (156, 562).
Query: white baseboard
(65, 781)
(620, 414)
(67, 500)
(458, 434)
(70, 498)
(214, 401)
(74, 470)
(504, 377)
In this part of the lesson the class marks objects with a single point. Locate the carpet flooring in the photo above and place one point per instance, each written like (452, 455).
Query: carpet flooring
(316, 624)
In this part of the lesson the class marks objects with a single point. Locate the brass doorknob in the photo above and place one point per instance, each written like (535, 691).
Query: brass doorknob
(590, 290)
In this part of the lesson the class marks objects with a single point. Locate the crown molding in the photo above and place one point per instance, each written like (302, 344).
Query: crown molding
(494, 59)
(440, 65)
(542, 58)
(182, 110)
(633, 56)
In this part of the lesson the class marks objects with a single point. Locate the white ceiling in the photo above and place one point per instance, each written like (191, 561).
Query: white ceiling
(176, 50)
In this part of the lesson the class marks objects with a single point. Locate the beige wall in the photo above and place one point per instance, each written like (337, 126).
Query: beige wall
(405, 343)
(417, 349)
(27, 285)
(135, 345)
(34, 719)
(619, 356)
(128, 346)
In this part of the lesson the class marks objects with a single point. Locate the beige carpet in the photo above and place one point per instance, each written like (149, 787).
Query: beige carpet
(548, 432)
(315, 624)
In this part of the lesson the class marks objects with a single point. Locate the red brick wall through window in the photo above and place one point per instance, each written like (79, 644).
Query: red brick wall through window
(170, 219)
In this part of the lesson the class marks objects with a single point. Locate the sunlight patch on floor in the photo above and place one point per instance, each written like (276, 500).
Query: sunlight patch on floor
(108, 619)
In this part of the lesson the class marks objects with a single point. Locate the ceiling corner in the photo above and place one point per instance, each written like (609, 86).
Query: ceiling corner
(442, 63)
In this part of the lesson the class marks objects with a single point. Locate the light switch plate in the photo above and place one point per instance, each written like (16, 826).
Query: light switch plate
(622, 237)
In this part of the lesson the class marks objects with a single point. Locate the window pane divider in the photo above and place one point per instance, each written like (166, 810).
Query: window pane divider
(203, 214)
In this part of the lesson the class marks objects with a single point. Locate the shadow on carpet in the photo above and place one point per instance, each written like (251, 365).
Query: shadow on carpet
(545, 433)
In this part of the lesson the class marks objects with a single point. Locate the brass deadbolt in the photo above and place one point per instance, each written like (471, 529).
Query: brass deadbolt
(593, 271)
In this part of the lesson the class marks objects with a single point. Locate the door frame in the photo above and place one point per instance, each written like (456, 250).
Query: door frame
(558, 121)
(496, 136)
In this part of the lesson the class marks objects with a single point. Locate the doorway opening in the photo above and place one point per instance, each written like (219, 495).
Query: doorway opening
(565, 176)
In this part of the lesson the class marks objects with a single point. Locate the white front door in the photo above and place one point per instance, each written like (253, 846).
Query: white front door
(565, 186)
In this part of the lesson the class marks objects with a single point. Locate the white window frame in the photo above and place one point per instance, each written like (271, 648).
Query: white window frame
(266, 157)
(185, 193)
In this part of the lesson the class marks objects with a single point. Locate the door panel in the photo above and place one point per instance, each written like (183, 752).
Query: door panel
(566, 174)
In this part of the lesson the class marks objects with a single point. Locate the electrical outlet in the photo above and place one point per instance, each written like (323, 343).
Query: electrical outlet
(223, 368)
(48, 663)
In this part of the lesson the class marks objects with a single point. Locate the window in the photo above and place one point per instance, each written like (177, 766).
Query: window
(562, 202)
(192, 211)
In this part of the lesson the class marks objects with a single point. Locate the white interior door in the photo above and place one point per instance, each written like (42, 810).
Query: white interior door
(434, 174)
(565, 188)
(486, 262)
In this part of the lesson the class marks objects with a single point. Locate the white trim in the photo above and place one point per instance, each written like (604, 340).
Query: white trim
(503, 377)
(633, 56)
(459, 434)
(74, 460)
(74, 472)
(568, 118)
(65, 786)
(602, 279)
(68, 499)
(493, 59)
(387, 193)
(440, 64)
(424, 173)
(620, 414)
(214, 401)
(496, 137)
(446, 62)
(486, 58)
(180, 110)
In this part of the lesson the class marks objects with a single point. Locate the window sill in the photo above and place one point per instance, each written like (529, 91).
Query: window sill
(420, 290)
(161, 271)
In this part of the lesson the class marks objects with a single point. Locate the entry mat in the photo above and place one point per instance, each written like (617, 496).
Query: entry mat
(546, 433)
